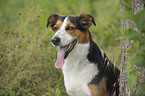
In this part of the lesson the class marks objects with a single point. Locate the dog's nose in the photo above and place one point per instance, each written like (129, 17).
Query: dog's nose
(55, 40)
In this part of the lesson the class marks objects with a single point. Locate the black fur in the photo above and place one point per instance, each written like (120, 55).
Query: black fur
(108, 71)
(75, 21)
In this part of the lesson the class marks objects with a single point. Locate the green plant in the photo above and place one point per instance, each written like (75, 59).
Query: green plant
(137, 47)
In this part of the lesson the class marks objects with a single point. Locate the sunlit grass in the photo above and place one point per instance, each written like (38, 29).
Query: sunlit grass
(27, 59)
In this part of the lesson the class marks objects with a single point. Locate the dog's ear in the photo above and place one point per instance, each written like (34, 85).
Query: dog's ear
(86, 20)
(52, 19)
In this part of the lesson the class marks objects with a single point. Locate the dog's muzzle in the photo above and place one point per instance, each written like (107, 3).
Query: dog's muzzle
(55, 40)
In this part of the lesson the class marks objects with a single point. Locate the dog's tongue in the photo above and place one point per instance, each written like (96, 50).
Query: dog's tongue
(60, 57)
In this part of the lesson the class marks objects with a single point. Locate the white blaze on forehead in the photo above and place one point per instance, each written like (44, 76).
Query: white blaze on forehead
(64, 24)
(65, 38)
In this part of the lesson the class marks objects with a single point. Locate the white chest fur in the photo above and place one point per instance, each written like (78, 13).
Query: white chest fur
(78, 71)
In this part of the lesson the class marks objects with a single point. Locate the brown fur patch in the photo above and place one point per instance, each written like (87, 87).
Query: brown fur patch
(52, 19)
(82, 37)
(86, 20)
(99, 89)
(58, 24)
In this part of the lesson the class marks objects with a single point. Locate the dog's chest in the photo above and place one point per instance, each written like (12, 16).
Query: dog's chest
(76, 81)
(78, 72)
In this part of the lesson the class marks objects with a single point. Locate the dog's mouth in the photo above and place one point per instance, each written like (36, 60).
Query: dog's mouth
(63, 52)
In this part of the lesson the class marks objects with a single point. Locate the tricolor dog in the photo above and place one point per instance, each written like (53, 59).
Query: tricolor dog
(87, 70)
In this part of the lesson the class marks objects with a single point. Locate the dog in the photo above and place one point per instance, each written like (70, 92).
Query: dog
(87, 70)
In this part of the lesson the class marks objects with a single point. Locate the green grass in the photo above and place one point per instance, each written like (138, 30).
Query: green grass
(27, 58)
(26, 55)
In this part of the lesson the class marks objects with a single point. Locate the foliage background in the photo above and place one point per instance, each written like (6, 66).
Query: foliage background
(133, 32)
(26, 55)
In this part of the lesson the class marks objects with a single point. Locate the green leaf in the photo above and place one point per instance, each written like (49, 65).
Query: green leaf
(129, 33)
(139, 60)
(133, 77)
(143, 86)
(141, 89)
(133, 47)
(127, 4)
(140, 19)
(131, 51)
(129, 66)
(127, 14)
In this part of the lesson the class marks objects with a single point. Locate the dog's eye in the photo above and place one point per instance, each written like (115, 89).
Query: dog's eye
(54, 28)
(70, 28)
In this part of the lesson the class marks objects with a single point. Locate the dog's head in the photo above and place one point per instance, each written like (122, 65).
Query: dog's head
(69, 30)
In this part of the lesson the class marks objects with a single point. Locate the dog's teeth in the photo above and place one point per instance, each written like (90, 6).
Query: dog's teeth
(68, 47)
(70, 44)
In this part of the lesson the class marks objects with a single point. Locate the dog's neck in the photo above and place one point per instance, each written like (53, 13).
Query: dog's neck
(78, 71)
(77, 55)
